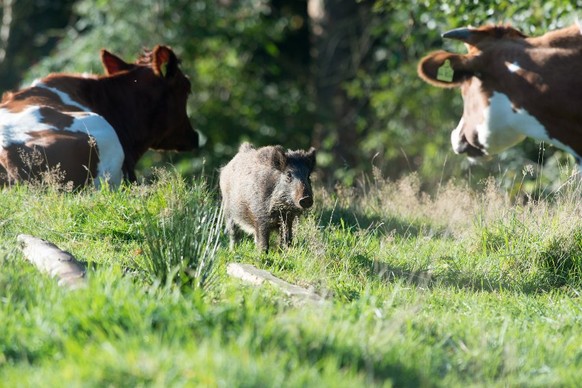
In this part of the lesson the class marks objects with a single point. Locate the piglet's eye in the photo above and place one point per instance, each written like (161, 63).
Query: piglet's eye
(289, 175)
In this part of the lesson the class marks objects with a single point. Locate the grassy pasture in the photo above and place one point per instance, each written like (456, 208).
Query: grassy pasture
(461, 288)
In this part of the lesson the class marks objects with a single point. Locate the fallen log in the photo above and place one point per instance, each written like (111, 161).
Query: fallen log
(255, 276)
(48, 258)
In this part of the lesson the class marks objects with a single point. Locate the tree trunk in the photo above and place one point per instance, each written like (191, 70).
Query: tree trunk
(29, 30)
(5, 28)
(337, 31)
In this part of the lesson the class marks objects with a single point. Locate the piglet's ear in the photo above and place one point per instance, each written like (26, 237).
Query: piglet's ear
(279, 158)
(274, 156)
(165, 62)
(311, 158)
(113, 64)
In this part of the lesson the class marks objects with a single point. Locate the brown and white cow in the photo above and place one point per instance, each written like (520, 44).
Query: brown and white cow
(513, 87)
(94, 128)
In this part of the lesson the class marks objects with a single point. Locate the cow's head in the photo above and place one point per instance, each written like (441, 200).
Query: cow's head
(491, 122)
(167, 88)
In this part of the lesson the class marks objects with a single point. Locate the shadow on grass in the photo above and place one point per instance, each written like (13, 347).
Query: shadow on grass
(380, 369)
(426, 278)
(551, 279)
(387, 225)
(317, 345)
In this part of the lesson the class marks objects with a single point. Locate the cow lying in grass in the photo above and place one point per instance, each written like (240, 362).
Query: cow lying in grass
(88, 129)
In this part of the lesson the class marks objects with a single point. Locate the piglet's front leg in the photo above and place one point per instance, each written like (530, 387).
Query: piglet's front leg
(286, 231)
(233, 233)
(262, 238)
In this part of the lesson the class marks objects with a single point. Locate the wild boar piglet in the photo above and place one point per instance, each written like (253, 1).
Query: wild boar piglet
(265, 189)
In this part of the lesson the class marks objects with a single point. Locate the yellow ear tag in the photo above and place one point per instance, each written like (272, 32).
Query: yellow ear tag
(445, 72)
(164, 69)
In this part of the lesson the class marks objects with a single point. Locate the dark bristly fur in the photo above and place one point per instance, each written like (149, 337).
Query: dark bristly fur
(264, 190)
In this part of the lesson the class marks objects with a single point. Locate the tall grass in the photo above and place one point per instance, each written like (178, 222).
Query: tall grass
(181, 243)
(477, 237)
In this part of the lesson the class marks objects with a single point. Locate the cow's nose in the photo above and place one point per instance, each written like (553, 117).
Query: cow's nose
(473, 152)
(464, 147)
(306, 202)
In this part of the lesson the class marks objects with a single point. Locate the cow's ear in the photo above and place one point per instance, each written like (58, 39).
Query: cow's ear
(446, 70)
(165, 62)
(112, 63)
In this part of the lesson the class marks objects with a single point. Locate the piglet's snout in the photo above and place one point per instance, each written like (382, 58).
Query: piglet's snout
(306, 202)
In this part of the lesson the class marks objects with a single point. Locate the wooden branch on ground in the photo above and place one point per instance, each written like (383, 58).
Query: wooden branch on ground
(255, 276)
(48, 258)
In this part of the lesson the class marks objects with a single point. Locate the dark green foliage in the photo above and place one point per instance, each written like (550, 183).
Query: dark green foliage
(30, 31)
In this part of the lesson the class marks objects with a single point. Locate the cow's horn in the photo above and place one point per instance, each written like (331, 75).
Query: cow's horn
(461, 34)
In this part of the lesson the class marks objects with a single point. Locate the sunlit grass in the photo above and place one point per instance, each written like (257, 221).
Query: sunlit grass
(462, 288)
